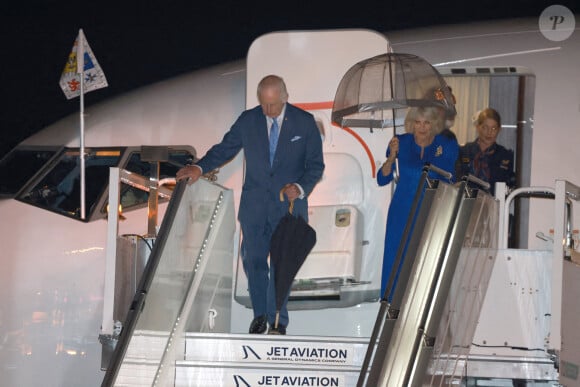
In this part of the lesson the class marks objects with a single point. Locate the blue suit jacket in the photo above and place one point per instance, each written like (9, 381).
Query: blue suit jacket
(298, 160)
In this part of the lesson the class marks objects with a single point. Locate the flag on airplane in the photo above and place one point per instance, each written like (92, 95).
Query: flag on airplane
(81, 62)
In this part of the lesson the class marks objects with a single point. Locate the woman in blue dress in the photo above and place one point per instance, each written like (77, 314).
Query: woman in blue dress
(423, 143)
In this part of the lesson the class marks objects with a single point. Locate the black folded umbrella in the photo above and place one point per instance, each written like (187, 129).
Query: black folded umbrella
(291, 242)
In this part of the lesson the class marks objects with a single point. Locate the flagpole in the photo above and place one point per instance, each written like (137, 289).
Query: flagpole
(81, 70)
(81, 61)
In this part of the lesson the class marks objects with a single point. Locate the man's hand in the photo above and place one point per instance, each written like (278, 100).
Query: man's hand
(291, 191)
(191, 172)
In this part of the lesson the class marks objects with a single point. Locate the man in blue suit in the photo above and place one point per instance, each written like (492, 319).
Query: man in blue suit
(293, 165)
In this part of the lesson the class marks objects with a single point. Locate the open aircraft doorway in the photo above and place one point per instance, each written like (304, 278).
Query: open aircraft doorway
(345, 207)
(510, 91)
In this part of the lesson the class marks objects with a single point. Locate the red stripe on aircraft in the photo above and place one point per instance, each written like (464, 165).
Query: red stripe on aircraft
(328, 105)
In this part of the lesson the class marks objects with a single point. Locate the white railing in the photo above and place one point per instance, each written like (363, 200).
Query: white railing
(564, 194)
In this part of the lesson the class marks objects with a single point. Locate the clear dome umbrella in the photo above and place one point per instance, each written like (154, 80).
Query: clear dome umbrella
(376, 92)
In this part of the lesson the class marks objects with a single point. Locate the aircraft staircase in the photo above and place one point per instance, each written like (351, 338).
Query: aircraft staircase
(176, 329)
(179, 335)
(184, 289)
(241, 360)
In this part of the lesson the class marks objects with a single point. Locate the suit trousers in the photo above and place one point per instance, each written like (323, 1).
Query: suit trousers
(255, 250)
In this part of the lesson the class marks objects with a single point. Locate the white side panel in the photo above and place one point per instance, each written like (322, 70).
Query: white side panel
(518, 301)
(570, 353)
(337, 253)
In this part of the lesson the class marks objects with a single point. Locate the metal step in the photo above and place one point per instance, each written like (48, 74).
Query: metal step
(245, 348)
(233, 374)
(242, 360)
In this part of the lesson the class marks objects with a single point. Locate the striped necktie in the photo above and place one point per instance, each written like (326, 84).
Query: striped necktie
(274, 132)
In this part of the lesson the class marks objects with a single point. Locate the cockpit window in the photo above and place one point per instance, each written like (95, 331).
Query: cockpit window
(60, 190)
(167, 168)
(50, 178)
(19, 166)
(133, 197)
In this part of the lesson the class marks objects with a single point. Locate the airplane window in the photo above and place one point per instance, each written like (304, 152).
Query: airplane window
(59, 189)
(177, 159)
(19, 166)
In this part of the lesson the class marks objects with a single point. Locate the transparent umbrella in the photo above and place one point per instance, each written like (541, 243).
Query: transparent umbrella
(376, 92)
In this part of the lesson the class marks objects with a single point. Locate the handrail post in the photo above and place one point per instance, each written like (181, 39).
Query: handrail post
(111, 253)
(500, 195)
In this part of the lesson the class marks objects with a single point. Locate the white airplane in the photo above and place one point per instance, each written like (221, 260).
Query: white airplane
(53, 283)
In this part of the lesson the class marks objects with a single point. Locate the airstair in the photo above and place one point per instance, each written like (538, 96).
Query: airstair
(250, 360)
(176, 330)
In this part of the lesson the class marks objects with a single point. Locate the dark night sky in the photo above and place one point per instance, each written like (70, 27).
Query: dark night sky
(138, 42)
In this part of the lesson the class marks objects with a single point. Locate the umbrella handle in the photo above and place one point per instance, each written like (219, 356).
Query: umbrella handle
(291, 207)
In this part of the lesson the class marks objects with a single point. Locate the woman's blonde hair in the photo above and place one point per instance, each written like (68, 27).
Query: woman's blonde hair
(486, 113)
(433, 114)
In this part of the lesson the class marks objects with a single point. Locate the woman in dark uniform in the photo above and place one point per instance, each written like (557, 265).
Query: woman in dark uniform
(484, 158)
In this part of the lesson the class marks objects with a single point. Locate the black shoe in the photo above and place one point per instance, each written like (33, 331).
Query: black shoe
(259, 324)
(281, 330)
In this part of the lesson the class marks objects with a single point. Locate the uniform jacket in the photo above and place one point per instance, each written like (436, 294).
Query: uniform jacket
(499, 159)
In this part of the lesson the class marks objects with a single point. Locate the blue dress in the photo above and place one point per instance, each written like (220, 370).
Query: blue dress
(443, 153)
